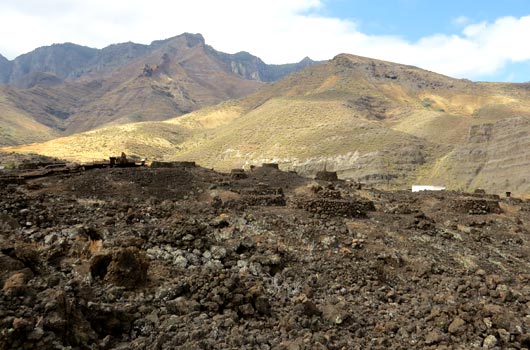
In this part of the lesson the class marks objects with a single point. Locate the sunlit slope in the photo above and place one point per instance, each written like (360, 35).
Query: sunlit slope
(146, 140)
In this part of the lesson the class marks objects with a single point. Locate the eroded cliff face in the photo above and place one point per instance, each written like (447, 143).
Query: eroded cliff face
(496, 157)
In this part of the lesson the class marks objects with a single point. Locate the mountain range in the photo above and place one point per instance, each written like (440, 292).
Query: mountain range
(372, 121)
(66, 88)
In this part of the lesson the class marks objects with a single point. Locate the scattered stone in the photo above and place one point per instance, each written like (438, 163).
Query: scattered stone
(16, 284)
(434, 337)
(456, 326)
(140, 258)
(489, 342)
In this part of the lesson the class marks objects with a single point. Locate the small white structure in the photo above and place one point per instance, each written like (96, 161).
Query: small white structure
(418, 188)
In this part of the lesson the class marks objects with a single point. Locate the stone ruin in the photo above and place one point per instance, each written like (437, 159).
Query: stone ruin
(238, 174)
(476, 206)
(326, 176)
(41, 165)
(180, 164)
(329, 201)
(270, 165)
(122, 161)
(263, 195)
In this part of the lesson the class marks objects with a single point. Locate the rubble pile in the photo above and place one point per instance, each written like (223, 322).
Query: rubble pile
(477, 206)
(188, 258)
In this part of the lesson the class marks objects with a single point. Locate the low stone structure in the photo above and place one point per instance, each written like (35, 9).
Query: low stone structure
(270, 165)
(181, 164)
(262, 190)
(263, 195)
(238, 174)
(476, 206)
(326, 176)
(265, 200)
(348, 207)
(8, 179)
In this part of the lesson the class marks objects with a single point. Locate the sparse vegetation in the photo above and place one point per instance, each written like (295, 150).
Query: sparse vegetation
(307, 119)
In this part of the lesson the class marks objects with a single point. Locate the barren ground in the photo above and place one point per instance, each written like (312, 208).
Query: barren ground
(188, 258)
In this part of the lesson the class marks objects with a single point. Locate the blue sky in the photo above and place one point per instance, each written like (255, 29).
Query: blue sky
(473, 39)
(415, 19)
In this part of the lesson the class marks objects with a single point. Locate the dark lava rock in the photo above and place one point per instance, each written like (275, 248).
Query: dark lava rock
(182, 257)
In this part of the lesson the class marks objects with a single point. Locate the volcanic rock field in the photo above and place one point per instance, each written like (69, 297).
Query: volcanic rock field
(190, 258)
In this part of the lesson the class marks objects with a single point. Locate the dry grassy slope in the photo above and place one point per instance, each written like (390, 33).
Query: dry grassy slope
(369, 120)
(17, 125)
(42, 112)
(147, 140)
(308, 135)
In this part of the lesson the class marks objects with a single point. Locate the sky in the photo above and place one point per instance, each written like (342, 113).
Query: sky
(481, 40)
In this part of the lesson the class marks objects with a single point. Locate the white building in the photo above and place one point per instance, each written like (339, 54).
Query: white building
(418, 188)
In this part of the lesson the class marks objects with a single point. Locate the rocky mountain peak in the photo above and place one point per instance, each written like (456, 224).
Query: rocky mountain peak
(187, 39)
(58, 59)
(5, 67)
(307, 60)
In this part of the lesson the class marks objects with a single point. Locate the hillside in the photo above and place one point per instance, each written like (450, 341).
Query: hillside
(70, 88)
(17, 126)
(369, 120)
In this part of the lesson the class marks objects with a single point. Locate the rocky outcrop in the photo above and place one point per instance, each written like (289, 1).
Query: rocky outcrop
(71, 61)
(251, 67)
(59, 59)
(126, 267)
(5, 69)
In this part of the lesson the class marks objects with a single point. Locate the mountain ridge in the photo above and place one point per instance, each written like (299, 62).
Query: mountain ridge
(373, 121)
(71, 88)
(77, 61)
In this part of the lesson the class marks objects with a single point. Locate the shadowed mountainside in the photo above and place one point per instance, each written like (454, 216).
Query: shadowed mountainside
(5, 68)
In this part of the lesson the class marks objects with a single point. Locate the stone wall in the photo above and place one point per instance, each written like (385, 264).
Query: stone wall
(351, 208)
(476, 206)
(157, 164)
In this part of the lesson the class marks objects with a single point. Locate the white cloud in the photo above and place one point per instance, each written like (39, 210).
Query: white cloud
(461, 20)
(278, 31)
